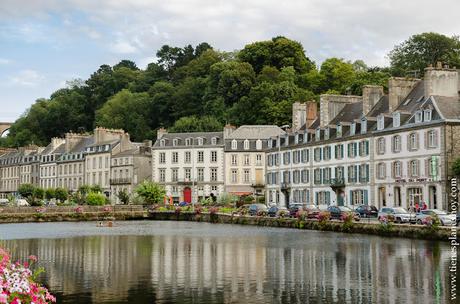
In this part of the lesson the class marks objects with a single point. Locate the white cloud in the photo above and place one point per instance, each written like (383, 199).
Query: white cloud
(4, 61)
(123, 47)
(27, 78)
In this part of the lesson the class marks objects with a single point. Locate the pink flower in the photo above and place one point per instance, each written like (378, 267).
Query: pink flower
(33, 258)
(3, 298)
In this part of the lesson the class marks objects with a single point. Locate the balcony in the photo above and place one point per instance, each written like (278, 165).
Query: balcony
(184, 181)
(285, 186)
(121, 181)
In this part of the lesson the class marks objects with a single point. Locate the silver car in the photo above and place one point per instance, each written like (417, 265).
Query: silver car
(445, 218)
(400, 215)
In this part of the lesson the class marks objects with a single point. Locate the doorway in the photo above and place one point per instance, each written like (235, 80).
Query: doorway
(187, 195)
(432, 198)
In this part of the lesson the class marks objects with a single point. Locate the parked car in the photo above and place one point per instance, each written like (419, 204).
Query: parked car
(367, 211)
(294, 208)
(4, 201)
(313, 211)
(399, 214)
(255, 209)
(445, 218)
(337, 212)
(275, 211)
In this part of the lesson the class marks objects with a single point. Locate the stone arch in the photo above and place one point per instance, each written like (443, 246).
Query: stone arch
(4, 126)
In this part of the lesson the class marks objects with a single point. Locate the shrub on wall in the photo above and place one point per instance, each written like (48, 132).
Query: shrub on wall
(95, 199)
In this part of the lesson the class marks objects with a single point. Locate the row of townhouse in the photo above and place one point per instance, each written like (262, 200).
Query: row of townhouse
(106, 158)
(383, 150)
(198, 165)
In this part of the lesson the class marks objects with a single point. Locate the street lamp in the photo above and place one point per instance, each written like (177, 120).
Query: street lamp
(283, 127)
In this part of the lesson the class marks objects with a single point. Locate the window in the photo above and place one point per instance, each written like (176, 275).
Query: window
(414, 168)
(363, 126)
(327, 153)
(413, 141)
(246, 159)
(188, 157)
(213, 156)
(305, 156)
(396, 119)
(175, 157)
(364, 173)
(234, 159)
(326, 133)
(317, 176)
(214, 141)
(258, 159)
(339, 172)
(213, 174)
(397, 169)
(352, 149)
(174, 175)
(234, 145)
(188, 141)
(175, 142)
(381, 145)
(427, 115)
(353, 128)
(162, 143)
(246, 175)
(352, 174)
(358, 197)
(396, 144)
(432, 139)
(323, 197)
(200, 156)
(326, 175)
(286, 158)
(318, 134)
(317, 153)
(162, 175)
(200, 141)
(200, 174)
(187, 173)
(432, 170)
(338, 151)
(381, 170)
(418, 116)
(246, 144)
(259, 144)
(339, 131)
(234, 176)
(380, 122)
(305, 176)
(364, 148)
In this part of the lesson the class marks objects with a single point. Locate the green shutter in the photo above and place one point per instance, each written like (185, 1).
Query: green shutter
(350, 199)
(367, 173)
(367, 147)
(341, 151)
(356, 147)
(316, 198)
(365, 197)
(349, 150)
(328, 197)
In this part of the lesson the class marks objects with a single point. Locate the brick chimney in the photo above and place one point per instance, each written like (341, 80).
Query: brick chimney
(371, 95)
(303, 114)
(441, 81)
(398, 89)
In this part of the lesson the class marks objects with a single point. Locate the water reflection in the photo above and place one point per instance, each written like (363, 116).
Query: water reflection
(192, 263)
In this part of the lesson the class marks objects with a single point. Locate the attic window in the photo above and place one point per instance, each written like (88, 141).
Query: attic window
(188, 141)
(380, 123)
(175, 142)
(259, 144)
(214, 141)
(318, 134)
(396, 119)
(339, 130)
(162, 143)
(427, 115)
(200, 141)
(326, 133)
(418, 116)
(246, 144)
(363, 126)
(234, 145)
(407, 101)
(353, 128)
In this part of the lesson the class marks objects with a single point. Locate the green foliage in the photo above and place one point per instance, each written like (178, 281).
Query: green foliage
(123, 196)
(416, 53)
(456, 167)
(84, 189)
(152, 193)
(196, 124)
(61, 194)
(26, 190)
(50, 193)
(226, 199)
(95, 199)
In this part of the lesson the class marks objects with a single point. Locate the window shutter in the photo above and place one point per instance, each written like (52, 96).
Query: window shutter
(367, 173)
(320, 154)
(341, 151)
(316, 198)
(367, 147)
(426, 139)
(350, 199)
(335, 172)
(356, 147)
(365, 197)
(349, 150)
(328, 197)
(356, 173)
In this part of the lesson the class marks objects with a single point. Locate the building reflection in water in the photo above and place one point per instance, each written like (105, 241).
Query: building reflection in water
(281, 268)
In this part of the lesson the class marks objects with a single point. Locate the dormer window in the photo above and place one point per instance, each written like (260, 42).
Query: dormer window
(380, 122)
(234, 145)
(214, 141)
(326, 133)
(418, 116)
(318, 134)
(296, 138)
(427, 115)
(246, 144)
(339, 130)
(162, 143)
(175, 142)
(200, 141)
(270, 143)
(353, 128)
(363, 126)
(396, 119)
(259, 144)
(188, 141)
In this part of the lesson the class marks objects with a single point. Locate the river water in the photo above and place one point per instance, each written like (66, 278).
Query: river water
(187, 262)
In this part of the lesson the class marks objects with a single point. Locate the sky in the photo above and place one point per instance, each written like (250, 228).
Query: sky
(44, 43)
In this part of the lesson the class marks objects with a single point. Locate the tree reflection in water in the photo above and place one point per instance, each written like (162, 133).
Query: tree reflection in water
(177, 262)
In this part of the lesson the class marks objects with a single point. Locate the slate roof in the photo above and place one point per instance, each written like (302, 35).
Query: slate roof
(207, 136)
(349, 113)
(382, 106)
(255, 132)
(414, 99)
(449, 107)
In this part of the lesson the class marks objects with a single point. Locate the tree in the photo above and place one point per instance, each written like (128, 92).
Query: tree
(95, 188)
(95, 199)
(50, 193)
(412, 56)
(456, 167)
(196, 124)
(151, 192)
(336, 74)
(26, 190)
(123, 196)
(126, 111)
(61, 194)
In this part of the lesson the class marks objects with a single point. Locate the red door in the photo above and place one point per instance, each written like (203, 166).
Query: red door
(187, 195)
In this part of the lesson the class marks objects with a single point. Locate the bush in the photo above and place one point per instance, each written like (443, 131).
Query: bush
(456, 167)
(151, 192)
(50, 193)
(123, 196)
(61, 194)
(95, 199)
(226, 199)
(26, 190)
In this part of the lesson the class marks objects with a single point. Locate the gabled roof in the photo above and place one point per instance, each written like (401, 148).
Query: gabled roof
(414, 99)
(448, 107)
(382, 106)
(349, 113)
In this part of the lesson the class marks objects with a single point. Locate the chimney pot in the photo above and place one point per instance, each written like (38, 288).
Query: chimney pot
(439, 65)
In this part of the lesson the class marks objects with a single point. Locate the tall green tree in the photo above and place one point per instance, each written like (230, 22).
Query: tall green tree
(412, 56)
